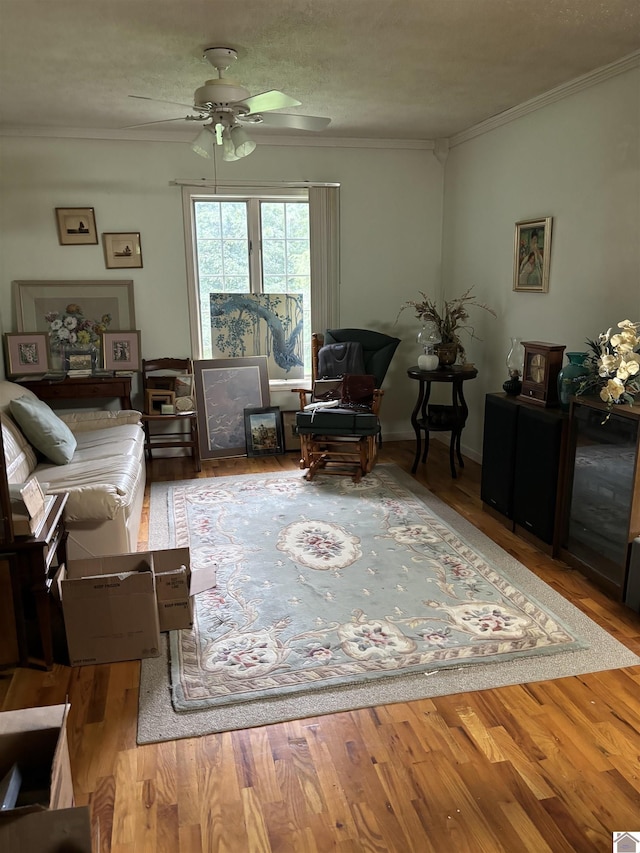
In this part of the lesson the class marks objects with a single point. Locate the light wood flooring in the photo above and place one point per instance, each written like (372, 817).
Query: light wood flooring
(549, 766)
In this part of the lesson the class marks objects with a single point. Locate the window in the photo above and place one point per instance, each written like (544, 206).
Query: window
(257, 243)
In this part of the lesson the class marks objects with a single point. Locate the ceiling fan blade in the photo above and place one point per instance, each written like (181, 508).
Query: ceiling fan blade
(156, 101)
(296, 122)
(272, 100)
(161, 121)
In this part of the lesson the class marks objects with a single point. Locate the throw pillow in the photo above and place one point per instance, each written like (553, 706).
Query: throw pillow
(44, 429)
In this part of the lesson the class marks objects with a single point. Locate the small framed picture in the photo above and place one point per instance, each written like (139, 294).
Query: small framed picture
(78, 360)
(532, 255)
(27, 353)
(291, 437)
(157, 398)
(76, 226)
(121, 350)
(263, 431)
(122, 249)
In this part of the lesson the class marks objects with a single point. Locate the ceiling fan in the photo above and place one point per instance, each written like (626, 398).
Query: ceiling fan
(225, 107)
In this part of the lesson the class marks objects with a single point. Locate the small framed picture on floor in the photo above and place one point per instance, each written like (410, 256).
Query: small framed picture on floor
(263, 431)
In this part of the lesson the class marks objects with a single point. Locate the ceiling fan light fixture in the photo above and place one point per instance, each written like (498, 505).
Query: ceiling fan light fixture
(242, 144)
(203, 144)
(228, 148)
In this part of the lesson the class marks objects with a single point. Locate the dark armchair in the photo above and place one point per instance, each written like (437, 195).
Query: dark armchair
(344, 439)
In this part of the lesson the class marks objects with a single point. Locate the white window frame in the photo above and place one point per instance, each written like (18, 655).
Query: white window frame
(323, 241)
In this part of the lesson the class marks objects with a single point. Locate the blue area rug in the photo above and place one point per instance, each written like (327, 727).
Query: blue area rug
(332, 583)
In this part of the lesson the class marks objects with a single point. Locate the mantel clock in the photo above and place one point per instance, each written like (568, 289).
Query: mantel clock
(542, 363)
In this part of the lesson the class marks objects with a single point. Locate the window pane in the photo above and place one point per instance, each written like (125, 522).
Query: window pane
(285, 249)
(207, 220)
(273, 257)
(272, 216)
(234, 220)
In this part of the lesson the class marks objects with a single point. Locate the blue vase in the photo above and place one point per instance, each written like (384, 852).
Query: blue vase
(570, 377)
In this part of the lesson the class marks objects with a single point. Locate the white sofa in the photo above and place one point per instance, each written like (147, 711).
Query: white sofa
(105, 478)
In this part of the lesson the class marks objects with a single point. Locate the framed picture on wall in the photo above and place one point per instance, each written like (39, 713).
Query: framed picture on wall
(122, 249)
(532, 255)
(76, 226)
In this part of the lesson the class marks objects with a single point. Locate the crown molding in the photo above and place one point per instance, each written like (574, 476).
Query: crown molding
(592, 78)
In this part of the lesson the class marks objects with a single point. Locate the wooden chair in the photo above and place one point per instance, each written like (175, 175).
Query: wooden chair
(159, 376)
(344, 439)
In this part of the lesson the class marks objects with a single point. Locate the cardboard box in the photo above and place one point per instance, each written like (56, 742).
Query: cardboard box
(110, 610)
(33, 744)
(176, 585)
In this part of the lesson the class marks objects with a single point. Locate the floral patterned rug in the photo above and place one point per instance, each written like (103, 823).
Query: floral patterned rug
(332, 583)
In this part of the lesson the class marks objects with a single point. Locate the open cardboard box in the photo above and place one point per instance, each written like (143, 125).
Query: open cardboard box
(109, 608)
(176, 584)
(34, 753)
(114, 607)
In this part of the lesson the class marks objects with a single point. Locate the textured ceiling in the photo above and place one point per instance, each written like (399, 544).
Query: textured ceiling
(403, 69)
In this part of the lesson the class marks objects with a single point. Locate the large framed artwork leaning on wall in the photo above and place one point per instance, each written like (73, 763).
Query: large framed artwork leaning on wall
(225, 387)
(73, 313)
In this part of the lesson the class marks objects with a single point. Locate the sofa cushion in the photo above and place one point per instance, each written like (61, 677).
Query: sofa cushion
(44, 429)
(98, 489)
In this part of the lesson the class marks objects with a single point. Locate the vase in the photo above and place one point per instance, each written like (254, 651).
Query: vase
(515, 366)
(428, 360)
(447, 354)
(570, 377)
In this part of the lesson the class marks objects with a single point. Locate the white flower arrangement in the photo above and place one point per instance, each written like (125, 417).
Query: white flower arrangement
(614, 364)
(72, 328)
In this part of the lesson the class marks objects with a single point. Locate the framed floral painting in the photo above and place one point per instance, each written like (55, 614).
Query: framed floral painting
(73, 313)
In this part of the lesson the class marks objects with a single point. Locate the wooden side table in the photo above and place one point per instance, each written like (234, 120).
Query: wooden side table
(440, 418)
(83, 388)
(33, 563)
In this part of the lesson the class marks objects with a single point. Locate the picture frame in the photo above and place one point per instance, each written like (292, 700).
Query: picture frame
(26, 353)
(122, 249)
(291, 438)
(121, 350)
(76, 226)
(532, 255)
(73, 313)
(263, 431)
(84, 359)
(156, 399)
(224, 388)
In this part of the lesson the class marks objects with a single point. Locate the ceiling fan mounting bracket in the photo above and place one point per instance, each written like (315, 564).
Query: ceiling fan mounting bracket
(221, 57)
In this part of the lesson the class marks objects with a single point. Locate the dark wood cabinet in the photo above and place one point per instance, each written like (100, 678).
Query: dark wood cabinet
(522, 467)
(602, 506)
(82, 388)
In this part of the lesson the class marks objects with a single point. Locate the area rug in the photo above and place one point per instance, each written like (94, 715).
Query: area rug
(333, 595)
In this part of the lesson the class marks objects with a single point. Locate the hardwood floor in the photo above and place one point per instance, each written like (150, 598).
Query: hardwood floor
(548, 766)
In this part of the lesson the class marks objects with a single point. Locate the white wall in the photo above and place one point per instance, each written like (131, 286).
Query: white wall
(577, 160)
(391, 215)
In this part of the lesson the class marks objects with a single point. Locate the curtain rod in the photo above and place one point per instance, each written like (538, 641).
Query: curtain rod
(207, 182)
